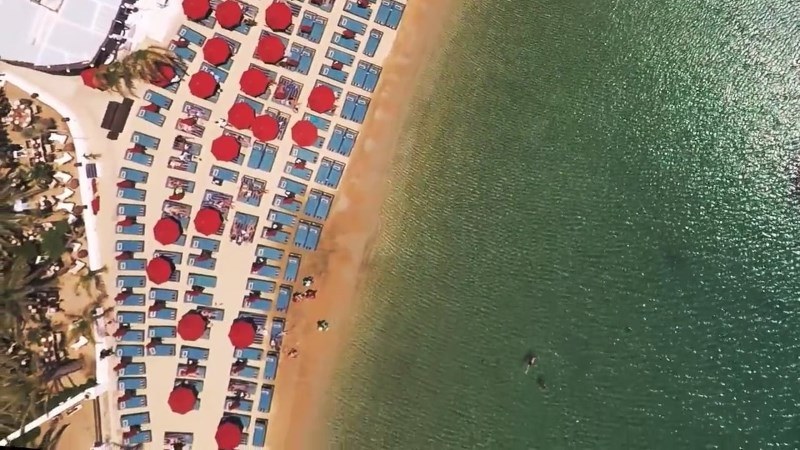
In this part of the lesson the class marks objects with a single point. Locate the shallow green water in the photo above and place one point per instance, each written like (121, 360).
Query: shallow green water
(608, 185)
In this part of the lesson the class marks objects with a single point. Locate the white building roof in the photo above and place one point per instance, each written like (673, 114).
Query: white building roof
(31, 33)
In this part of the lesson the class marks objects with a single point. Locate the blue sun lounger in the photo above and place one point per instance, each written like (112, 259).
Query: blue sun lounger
(340, 56)
(302, 173)
(249, 353)
(342, 140)
(245, 420)
(195, 383)
(131, 383)
(130, 350)
(131, 210)
(265, 399)
(390, 13)
(263, 286)
(246, 372)
(353, 8)
(130, 317)
(139, 158)
(304, 154)
(136, 229)
(271, 253)
(218, 73)
(162, 331)
(131, 281)
(257, 106)
(138, 401)
(353, 25)
(206, 281)
(281, 218)
(137, 176)
(132, 194)
(319, 122)
(145, 140)
(199, 353)
(280, 237)
(292, 186)
(130, 246)
(175, 257)
(370, 81)
(224, 174)
(212, 313)
(184, 53)
(293, 206)
(132, 264)
(312, 203)
(260, 433)
(349, 44)
(161, 350)
(201, 298)
(142, 437)
(373, 42)
(268, 271)
(312, 241)
(317, 24)
(337, 171)
(207, 263)
(132, 336)
(132, 300)
(211, 245)
(261, 304)
(324, 209)
(304, 57)
(292, 268)
(324, 171)
(132, 420)
(191, 35)
(278, 325)
(132, 369)
(349, 108)
(284, 298)
(163, 314)
(243, 405)
(271, 366)
(301, 235)
(152, 117)
(333, 74)
(160, 100)
(262, 157)
(164, 295)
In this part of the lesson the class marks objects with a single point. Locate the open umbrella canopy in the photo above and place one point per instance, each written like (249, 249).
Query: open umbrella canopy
(254, 82)
(242, 333)
(202, 84)
(270, 49)
(164, 76)
(265, 128)
(216, 51)
(228, 436)
(225, 148)
(304, 133)
(192, 326)
(278, 16)
(88, 76)
(241, 115)
(159, 269)
(229, 14)
(207, 221)
(321, 99)
(182, 399)
(196, 9)
(167, 230)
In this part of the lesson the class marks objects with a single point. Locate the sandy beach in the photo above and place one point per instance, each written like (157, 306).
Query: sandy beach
(344, 251)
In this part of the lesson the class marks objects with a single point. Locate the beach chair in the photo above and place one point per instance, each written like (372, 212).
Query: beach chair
(132, 264)
(131, 210)
(257, 106)
(221, 173)
(259, 433)
(301, 235)
(129, 350)
(265, 399)
(138, 401)
(212, 313)
(186, 185)
(132, 300)
(305, 154)
(283, 202)
(130, 281)
(277, 328)
(162, 332)
(160, 100)
(271, 366)
(218, 73)
(245, 372)
(206, 281)
(136, 229)
(353, 25)
(164, 295)
(312, 203)
(284, 298)
(373, 42)
(131, 336)
(137, 176)
(262, 157)
(201, 298)
(260, 304)
(342, 140)
(292, 268)
(333, 74)
(324, 171)
(131, 383)
(163, 314)
(319, 122)
(145, 140)
(340, 56)
(152, 117)
(238, 404)
(281, 218)
(191, 35)
(140, 438)
(280, 237)
(132, 420)
(161, 350)
(132, 194)
(129, 246)
(360, 76)
(292, 186)
(271, 253)
(335, 176)
(190, 352)
(249, 353)
(133, 369)
(208, 263)
(312, 241)
(348, 44)
(195, 371)
(268, 271)
(325, 202)
(356, 10)
(139, 158)
(202, 243)
(296, 170)
(349, 108)
(263, 286)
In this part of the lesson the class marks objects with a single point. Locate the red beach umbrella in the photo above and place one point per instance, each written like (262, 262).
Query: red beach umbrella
(95, 205)
(126, 222)
(196, 9)
(254, 82)
(241, 115)
(265, 128)
(137, 148)
(121, 296)
(167, 230)
(207, 221)
(126, 184)
(270, 49)
(152, 107)
(159, 270)
(216, 51)
(165, 75)
(321, 99)
(192, 326)
(182, 399)
(228, 436)
(229, 14)
(225, 148)
(242, 333)
(89, 77)
(278, 16)
(304, 133)
(202, 84)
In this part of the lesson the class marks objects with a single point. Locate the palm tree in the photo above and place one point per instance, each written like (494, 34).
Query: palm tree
(11, 221)
(16, 283)
(89, 280)
(49, 440)
(140, 65)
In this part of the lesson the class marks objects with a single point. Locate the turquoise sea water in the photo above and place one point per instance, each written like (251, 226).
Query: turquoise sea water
(607, 184)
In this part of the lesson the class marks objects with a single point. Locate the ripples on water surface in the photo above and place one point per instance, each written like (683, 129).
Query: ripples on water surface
(606, 183)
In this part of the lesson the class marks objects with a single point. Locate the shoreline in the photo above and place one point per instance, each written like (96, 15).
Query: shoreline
(340, 264)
